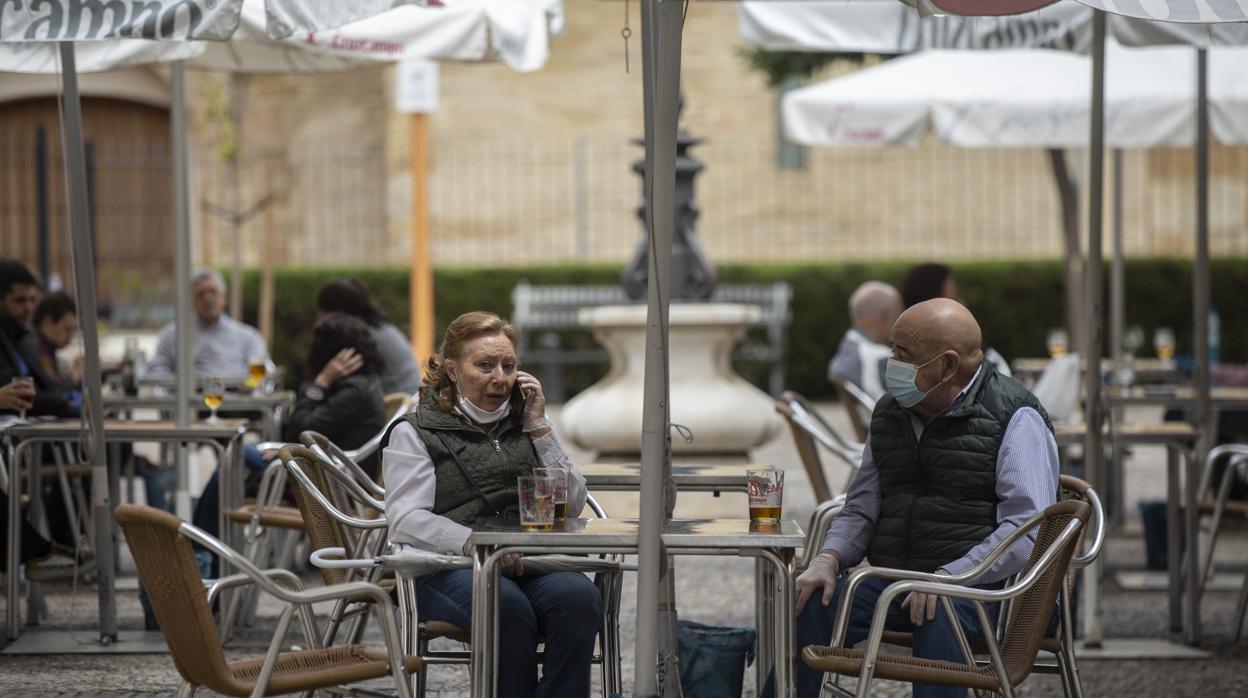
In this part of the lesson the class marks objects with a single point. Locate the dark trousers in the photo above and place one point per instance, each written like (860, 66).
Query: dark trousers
(932, 640)
(34, 545)
(563, 608)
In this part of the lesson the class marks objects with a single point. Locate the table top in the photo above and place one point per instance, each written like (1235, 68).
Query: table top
(1143, 366)
(600, 475)
(622, 533)
(1157, 433)
(128, 430)
(233, 401)
(1164, 394)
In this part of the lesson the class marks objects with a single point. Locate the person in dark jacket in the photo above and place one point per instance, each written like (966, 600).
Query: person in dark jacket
(343, 402)
(55, 322)
(19, 294)
(957, 458)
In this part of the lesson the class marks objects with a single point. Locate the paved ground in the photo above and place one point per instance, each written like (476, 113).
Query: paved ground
(717, 591)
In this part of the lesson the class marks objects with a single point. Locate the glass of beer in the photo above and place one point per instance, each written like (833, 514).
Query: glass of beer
(1163, 342)
(214, 395)
(537, 502)
(30, 388)
(560, 476)
(257, 370)
(766, 493)
(1057, 342)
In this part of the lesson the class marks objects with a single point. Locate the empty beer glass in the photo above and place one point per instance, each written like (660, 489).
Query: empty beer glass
(537, 502)
(766, 493)
(560, 476)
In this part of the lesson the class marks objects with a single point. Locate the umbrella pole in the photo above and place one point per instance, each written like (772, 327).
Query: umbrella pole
(655, 670)
(185, 362)
(1092, 453)
(1205, 429)
(84, 284)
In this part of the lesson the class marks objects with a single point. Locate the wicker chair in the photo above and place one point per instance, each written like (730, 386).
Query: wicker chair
(326, 504)
(810, 432)
(162, 552)
(1033, 595)
(857, 403)
(1218, 504)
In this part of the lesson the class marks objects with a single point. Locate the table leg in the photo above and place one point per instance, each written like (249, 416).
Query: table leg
(14, 545)
(1173, 564)
(477, 658)
(1192, 535)
(38, 520)
(764, 614)
(779, 573)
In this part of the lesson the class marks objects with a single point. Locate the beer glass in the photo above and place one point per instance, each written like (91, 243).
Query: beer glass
(29, 383)
(257, 371)
(560, 476)
(1058, 342)
(1163, 342)
(214, 395)
(766, 493)
(537, 502)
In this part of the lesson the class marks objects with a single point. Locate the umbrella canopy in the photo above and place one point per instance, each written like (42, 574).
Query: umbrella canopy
(1022, 98)
(516, 32)
(889, 26)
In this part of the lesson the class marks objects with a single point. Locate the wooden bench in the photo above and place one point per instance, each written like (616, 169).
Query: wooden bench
(545, 314)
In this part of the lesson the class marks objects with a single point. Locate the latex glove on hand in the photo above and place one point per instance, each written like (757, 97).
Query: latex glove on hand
(820, 576)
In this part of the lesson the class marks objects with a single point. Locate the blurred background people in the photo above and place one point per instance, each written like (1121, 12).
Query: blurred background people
(864, 350)
(350, 297)
(935, 280)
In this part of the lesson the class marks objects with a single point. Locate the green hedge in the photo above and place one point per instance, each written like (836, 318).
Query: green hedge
(1015, 302)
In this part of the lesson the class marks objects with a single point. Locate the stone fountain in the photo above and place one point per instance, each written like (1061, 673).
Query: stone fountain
(722, 413)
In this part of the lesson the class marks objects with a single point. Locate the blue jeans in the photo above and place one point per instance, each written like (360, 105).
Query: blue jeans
(208, 506)
(932, 640)
(563, 608)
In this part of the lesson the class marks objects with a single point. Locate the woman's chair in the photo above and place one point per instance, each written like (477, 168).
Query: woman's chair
(1011, 659)
(162, 552)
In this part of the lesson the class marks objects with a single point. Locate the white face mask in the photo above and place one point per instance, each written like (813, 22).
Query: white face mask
(479, 415)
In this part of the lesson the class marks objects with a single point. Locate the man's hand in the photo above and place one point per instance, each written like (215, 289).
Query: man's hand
(16, 397)
(820, 574)
(922, 607)
(513, 566)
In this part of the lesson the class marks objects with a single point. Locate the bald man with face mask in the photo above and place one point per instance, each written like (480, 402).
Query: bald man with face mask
(957, 458)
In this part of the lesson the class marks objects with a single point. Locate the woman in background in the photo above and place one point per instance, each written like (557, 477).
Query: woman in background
(935, 280)
(350, 297)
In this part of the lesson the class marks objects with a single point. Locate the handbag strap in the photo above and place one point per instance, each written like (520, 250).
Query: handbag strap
(464, 471)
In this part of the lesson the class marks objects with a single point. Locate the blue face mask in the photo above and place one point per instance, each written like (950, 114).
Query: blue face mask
(899, 378)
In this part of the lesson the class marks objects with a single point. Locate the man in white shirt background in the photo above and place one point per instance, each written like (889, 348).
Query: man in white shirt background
(864, 350)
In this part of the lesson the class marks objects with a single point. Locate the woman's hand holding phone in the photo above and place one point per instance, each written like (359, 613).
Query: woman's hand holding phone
(534, 400)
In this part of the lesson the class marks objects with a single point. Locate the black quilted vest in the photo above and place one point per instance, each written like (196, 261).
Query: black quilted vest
(486, 484)
(938, 494)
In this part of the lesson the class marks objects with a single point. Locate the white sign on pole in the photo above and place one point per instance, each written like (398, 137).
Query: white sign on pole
(416, 86)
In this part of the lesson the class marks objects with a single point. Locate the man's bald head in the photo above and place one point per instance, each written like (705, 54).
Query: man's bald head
(941, 324)
(874, 307)
(939, 329)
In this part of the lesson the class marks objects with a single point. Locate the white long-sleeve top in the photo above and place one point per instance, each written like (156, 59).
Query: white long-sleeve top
(411, 485)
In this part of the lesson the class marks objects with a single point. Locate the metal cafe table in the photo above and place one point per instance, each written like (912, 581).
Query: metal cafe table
(224, 436)
(727, 537)
(1179, 438)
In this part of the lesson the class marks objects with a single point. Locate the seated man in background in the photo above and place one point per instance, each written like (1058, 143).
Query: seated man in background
(19, 294)
(55, 324)
(864, 350)
(223, 346)
(957, 458)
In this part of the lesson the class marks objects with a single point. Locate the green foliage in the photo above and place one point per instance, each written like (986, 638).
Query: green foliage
(779, 66)
(1016, 303)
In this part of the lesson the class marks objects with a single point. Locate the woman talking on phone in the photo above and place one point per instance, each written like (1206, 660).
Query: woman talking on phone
(452, 463)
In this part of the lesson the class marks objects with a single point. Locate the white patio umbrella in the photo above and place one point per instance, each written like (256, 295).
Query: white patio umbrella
(273, 35)
(1022, 98)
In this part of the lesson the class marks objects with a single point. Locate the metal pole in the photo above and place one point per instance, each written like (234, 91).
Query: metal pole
(84, 285)
(1117, 278)
(661, 41)
(181, 281)
(42, 226)
(1200, 309)
(420, 285)
(1092, 454)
